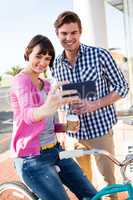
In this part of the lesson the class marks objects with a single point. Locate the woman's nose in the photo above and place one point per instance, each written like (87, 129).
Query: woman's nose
(42, 62)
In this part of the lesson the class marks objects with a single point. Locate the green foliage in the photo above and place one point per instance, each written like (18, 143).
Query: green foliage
(0, 78)
(14, 70)
(45, 74)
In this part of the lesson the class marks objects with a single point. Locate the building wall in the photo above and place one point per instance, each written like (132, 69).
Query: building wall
(117, 32)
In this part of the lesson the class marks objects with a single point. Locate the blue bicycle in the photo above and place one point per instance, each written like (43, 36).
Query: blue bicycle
(126, 186)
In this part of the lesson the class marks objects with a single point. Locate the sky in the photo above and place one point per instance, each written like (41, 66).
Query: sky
(20, 20)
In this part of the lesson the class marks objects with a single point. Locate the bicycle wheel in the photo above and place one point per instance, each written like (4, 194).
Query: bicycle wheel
(16, 191)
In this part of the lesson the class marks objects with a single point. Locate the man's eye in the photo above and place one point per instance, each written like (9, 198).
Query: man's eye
(74, 33)
(64, 34)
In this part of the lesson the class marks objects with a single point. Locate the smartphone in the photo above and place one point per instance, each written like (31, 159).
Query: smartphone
(85, 89)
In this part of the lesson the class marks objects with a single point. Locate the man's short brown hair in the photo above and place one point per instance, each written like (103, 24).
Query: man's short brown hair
(67, 17)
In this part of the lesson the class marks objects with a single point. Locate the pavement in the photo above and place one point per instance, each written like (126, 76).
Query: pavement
(123, 144)
(5, 130)
(5, 121)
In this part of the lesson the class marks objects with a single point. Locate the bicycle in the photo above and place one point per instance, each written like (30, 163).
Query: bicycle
(16, 190)
(126, 186)
(19, 191)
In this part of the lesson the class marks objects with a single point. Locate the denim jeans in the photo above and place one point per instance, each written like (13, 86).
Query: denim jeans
(45, 175)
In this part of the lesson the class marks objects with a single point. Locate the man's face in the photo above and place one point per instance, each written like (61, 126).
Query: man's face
(69, 36)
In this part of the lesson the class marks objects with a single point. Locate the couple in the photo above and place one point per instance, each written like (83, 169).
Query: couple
(35, 104)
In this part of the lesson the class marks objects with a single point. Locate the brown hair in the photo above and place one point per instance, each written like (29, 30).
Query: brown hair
(66, 18)
(45, 47)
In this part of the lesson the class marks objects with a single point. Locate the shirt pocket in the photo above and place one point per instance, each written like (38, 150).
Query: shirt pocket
(89, 73)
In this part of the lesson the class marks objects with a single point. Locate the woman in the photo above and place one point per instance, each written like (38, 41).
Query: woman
(34, 143)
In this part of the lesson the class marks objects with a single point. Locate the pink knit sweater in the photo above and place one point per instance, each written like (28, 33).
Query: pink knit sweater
(24, 97)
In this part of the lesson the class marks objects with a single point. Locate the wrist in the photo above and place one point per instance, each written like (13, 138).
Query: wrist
(99, 103)
(59, 127)
(45, 110)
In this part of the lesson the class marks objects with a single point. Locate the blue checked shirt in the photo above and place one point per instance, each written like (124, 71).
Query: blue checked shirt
(94, 64)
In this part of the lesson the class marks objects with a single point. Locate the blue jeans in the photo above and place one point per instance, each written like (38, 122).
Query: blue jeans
(45, 175)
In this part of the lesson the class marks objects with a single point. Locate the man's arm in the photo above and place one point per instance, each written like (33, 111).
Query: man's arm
(114, 76)
(112, 73)
(91, 106)
(107, 100)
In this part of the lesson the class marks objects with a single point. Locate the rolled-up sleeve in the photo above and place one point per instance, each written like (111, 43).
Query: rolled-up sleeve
(113, 74)
(22, 100)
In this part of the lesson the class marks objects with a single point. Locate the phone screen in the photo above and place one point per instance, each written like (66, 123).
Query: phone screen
(85, 89)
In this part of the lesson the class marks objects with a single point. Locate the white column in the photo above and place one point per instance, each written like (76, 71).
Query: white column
(128, 16)
(92, 15)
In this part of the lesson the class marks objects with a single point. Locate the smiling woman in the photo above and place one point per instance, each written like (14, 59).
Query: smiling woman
(35, 123)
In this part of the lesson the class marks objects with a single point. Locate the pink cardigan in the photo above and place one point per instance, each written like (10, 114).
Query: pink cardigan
(24, 97)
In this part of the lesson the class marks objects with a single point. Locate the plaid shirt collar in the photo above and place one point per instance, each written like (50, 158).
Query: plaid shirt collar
(80, 51)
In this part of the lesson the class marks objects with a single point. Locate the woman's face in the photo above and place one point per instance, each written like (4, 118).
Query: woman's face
(38, 63)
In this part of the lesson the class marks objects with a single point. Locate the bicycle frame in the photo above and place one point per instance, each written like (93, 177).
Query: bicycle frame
(115, 188)
(126, 186)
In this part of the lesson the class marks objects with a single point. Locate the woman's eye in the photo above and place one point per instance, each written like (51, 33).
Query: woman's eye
(48, 59)
(38, 56)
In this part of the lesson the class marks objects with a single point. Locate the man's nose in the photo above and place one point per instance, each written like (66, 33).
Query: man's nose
(69, 37)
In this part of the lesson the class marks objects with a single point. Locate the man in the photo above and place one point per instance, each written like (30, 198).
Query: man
(79, 63)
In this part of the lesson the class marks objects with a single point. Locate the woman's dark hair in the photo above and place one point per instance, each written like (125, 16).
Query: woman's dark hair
(45, 45)
(67, 17)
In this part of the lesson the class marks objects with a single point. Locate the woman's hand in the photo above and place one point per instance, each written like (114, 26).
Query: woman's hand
(57, 98)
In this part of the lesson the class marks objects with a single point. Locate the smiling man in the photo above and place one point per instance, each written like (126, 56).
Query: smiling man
(79, 63)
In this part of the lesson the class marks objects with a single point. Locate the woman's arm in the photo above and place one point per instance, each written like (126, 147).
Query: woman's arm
(60, 128)
(28, 110)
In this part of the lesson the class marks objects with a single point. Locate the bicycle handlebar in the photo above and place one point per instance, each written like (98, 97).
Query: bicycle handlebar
(77, 153)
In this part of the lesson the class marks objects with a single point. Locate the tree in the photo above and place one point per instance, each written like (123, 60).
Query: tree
(14, 70)
(0, 79)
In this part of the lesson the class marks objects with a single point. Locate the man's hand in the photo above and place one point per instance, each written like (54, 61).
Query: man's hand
(85, 106)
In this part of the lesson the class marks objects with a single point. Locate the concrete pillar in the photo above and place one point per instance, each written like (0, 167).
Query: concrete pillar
(92, 15)
(128, 17)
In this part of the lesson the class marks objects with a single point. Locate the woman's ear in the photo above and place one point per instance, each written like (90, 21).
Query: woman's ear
(56, 31)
